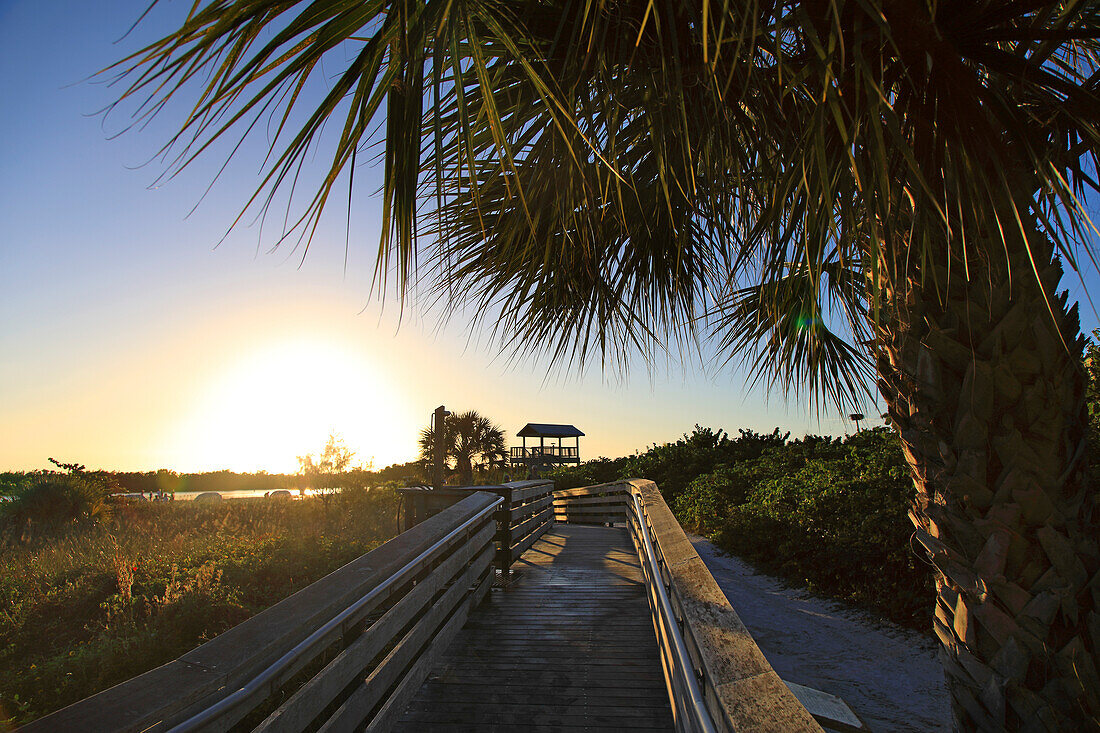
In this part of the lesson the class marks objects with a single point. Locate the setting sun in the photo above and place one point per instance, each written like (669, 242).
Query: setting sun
(282, 401)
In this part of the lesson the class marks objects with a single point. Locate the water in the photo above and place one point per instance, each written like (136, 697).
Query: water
(247, 494)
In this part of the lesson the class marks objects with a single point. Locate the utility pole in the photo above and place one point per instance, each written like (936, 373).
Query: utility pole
(439, 420)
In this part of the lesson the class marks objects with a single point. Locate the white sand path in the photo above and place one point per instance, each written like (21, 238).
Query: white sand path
(889, 676)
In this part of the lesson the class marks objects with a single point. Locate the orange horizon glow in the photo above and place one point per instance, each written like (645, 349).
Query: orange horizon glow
(284, 399)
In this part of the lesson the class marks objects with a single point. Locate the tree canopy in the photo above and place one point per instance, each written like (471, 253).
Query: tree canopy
(597, 178)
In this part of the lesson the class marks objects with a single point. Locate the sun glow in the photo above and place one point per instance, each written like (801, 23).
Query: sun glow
(283, 401)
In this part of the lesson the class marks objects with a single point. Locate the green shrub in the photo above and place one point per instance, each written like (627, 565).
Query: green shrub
(54, 498)
(823, 512)
(707, 500)
(589, 473)
(674, 465)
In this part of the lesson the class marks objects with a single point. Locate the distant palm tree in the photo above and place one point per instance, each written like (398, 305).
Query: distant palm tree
(840, 192)
(468, 438)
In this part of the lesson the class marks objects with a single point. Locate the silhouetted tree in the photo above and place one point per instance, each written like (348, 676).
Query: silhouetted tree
(468, 438)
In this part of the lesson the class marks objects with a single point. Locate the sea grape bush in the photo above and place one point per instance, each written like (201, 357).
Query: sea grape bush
(839, 525)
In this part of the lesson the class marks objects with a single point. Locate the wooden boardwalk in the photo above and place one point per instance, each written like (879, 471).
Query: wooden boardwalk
(568, 645)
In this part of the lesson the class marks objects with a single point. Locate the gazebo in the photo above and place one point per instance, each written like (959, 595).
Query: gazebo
(546, 454)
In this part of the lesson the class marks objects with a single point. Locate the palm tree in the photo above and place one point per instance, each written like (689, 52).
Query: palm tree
(843, 193)
(468, 438)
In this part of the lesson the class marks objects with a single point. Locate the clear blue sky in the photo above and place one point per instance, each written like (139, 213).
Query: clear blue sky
(128, 340)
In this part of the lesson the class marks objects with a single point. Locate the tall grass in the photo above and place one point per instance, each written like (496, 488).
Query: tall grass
(87, 605)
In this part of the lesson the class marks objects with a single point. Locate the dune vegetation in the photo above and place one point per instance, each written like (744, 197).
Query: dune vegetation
(88, 603)
(829, 514)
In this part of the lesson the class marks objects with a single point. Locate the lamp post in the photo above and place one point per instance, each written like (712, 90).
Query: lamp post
(439, 419)
(856, 416)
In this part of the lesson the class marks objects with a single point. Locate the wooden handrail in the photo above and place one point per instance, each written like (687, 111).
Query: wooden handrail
(524, 516)
(420, 587)
(740, 689)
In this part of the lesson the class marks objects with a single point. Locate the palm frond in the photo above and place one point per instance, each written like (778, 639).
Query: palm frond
(781, 331)
(591, 177)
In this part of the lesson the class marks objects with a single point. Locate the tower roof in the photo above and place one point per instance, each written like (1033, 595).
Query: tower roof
(548, 430)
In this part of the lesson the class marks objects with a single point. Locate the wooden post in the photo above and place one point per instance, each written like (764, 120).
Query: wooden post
(504, 532)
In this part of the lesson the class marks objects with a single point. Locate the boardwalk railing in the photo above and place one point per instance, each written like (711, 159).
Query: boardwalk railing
(524, 515)
(349, 651)
(716, 676)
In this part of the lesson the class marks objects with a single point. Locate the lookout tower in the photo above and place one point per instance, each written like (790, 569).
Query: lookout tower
(546, 454)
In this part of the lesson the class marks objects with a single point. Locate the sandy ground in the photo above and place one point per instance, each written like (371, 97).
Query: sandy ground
(889, 676)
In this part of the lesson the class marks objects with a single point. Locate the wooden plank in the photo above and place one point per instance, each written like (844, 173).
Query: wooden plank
(499, 678)
(590, 519)
(395, 704)
(160, 698)
(526, 658)
(538, 489)
(583, 515)
(515, 692)
(529, 727)
(529, 525)
(525, 544)
(528, 509)
(622, 487)
(317, 693)
(552, 701)
(593, 514)
(402, 657)
(440, 724)
(558, 674)
(614, 499)
(638, 721)
(618, 511)
(597, 517)
(528, 483)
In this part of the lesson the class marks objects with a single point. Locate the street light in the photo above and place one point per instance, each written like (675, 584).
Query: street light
(439, 419)
(856, 416)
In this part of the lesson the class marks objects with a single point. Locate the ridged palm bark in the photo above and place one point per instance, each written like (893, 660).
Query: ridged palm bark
(983, 378)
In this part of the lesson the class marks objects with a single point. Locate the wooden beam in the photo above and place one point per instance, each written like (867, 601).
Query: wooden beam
(315, 695)
(404, 655)
(530, 508)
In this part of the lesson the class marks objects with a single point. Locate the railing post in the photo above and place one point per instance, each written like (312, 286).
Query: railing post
(504, 532)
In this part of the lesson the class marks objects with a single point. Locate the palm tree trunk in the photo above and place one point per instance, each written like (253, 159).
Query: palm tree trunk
(465, 467)
(985, 384)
